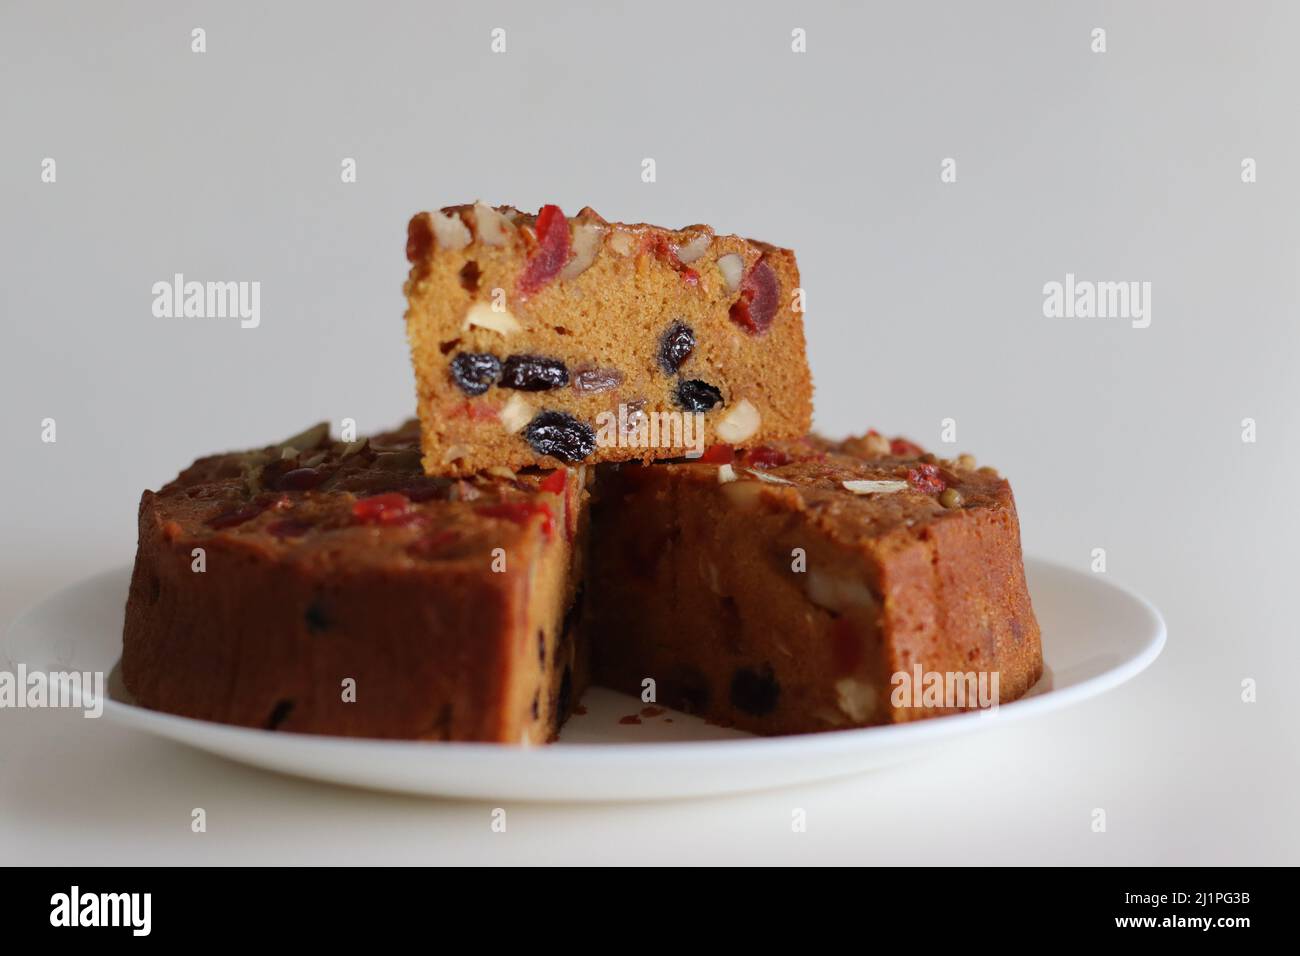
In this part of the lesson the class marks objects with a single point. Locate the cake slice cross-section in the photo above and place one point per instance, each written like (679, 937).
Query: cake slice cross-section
(548, 340)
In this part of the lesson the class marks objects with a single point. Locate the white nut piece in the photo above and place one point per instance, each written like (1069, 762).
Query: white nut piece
(725, 474)
(517, 413)
(482, 315)
(694, 247)
(838, 593)
(587, 240)
(881, 487)
(877, 445)
(492, 227)
(856, 698)
(455, 451)
(622, 242)
(732, 267)
(449, 231)
(770, 479)
(740, 423)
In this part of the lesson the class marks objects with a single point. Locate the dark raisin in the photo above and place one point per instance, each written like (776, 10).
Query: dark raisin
(469, 276)
(533, 373)
(318, 619)
(597, 379)
(279, 714)
(541, 648)
(475, 372)
(560, 435)
(696, 396)
(446, 347)
(755, 691)
(676, 347)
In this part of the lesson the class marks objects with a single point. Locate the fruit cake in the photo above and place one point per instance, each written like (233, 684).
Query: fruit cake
(546, 340)
(332, 587)
(785, 588)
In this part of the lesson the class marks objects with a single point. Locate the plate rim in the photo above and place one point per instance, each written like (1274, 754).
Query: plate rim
(823, 744)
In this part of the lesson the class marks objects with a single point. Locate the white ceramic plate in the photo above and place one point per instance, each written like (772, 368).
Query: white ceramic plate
(1095, 637)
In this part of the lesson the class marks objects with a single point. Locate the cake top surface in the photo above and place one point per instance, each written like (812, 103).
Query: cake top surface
(859, 489)
(363, 502)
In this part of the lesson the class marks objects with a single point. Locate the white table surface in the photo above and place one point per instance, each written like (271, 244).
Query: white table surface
(925, 302)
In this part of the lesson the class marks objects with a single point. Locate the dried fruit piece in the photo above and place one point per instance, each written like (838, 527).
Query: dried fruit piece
(474, 372)
(902, 448)
(597, 379)
(755, 690)
(388, 509)
(551, 254)
(767, 457)
(675, 347)
(740, 423)
(554, 482)
(718, 455)
(520, 512)
(657, 243)
(697, 396)
(533, 373)
(561, 436)
(926, 478)
(759, 296)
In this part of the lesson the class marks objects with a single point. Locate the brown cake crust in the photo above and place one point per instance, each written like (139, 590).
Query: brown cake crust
(730, 622)
(611, 318)
(326, 562)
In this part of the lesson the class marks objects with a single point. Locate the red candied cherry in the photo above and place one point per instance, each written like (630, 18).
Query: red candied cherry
(760, 295)
(551, 254)
(766, 457)
(554, 482)
(520, 512)
(926, 478)
(663, 250)
(387, 509)
(718, 455)
(902, 448)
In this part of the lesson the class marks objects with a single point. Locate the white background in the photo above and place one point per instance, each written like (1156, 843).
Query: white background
(925, 301)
